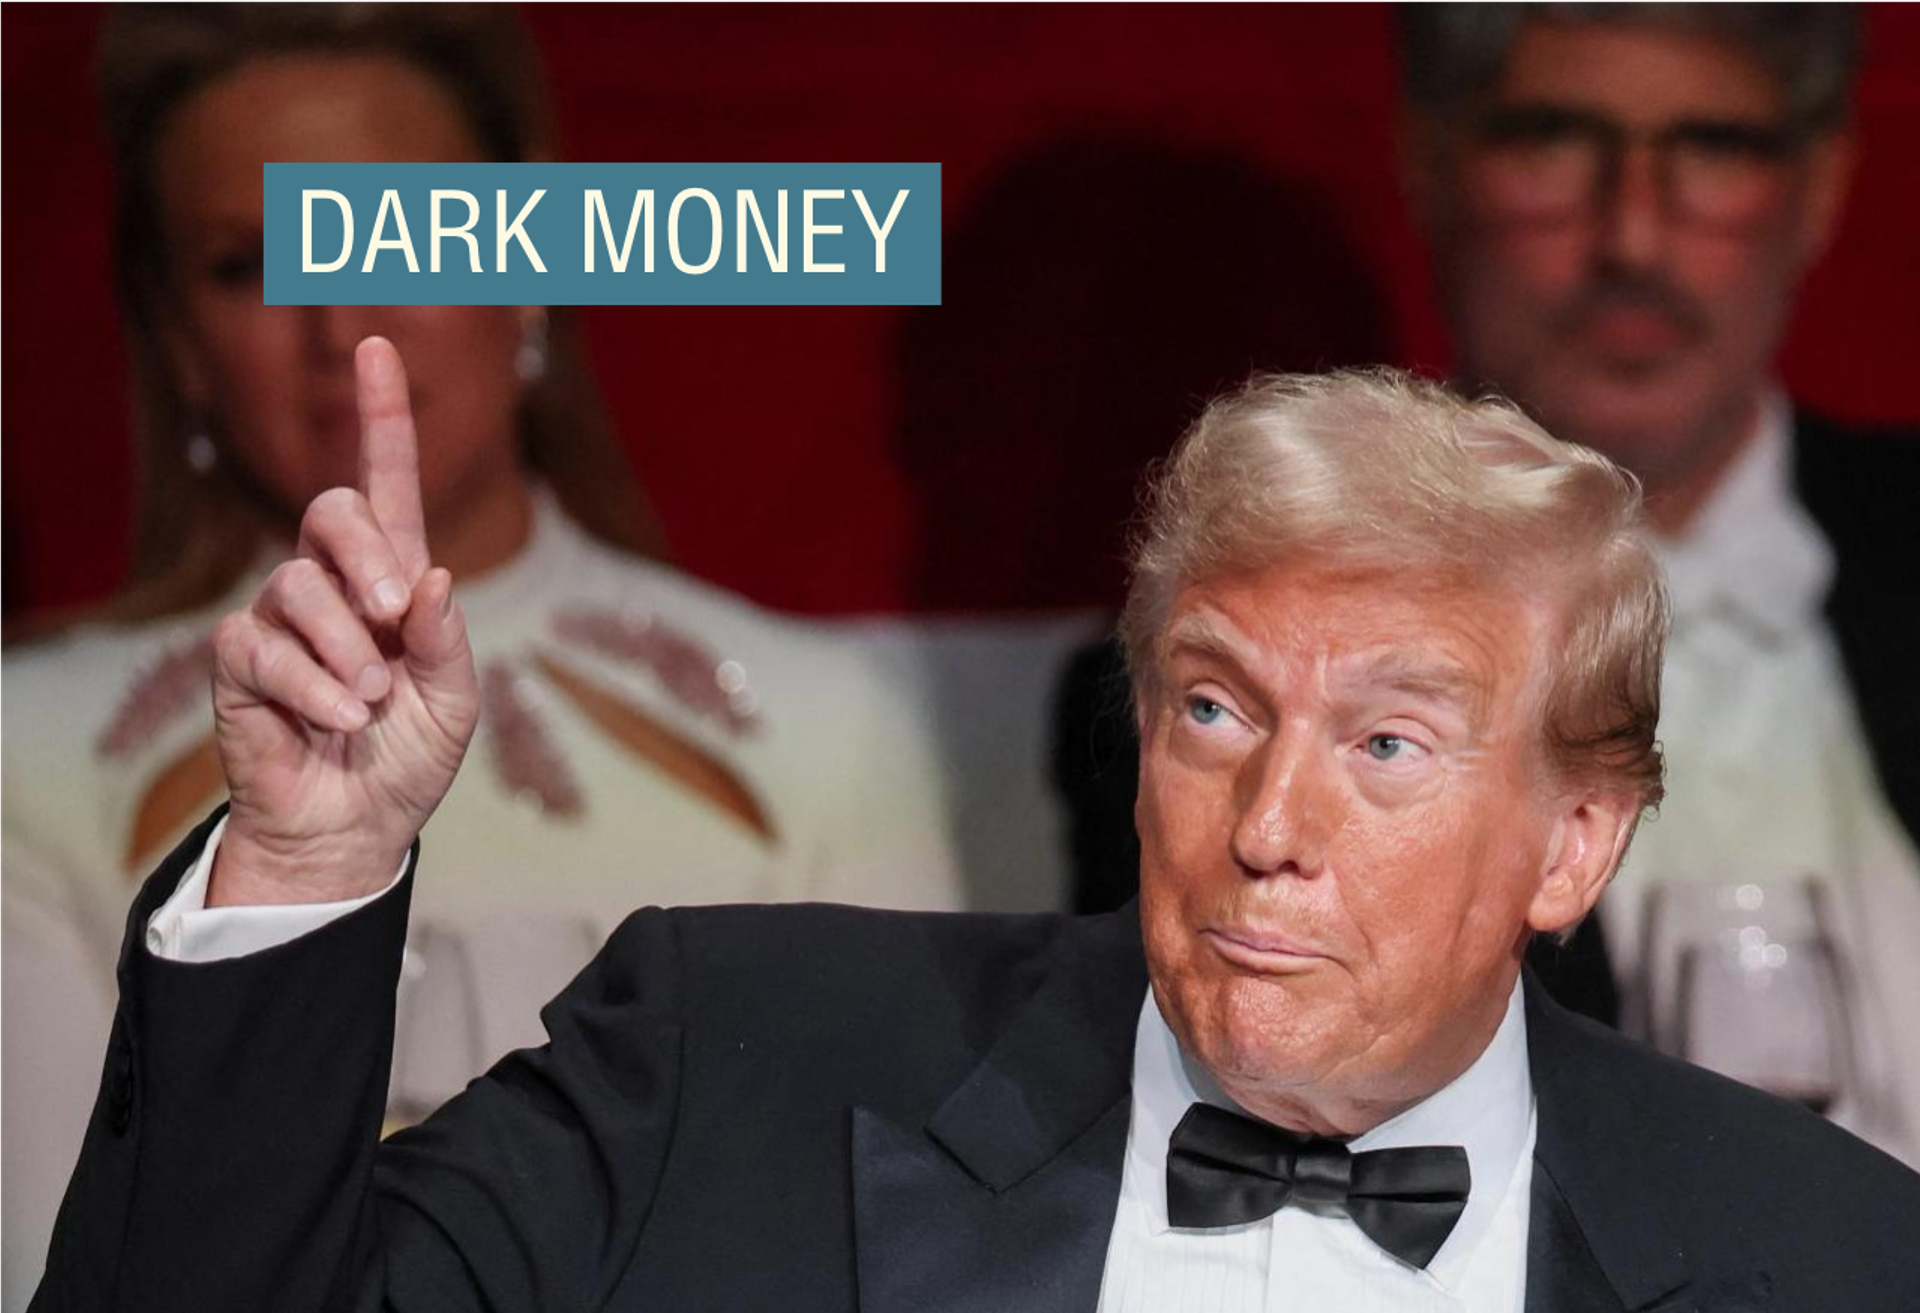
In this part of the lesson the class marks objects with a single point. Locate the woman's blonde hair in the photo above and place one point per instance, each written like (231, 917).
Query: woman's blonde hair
(194, 532)
(1378, 469)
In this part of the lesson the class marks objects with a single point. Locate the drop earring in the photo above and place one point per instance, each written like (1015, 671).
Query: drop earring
(202, 455)
(530, 364)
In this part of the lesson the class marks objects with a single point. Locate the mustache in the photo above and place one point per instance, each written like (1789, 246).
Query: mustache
(1646, 294)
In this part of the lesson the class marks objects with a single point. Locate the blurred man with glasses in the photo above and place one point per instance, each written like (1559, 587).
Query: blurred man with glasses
(1621, 202)
(1622, 205)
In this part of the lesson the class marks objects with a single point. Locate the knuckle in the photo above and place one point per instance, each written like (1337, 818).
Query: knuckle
(331, 508)
(269, 663)
(293, 580)
(231, 636)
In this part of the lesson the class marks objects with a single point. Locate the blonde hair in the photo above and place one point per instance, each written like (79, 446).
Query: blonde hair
(1380, 469)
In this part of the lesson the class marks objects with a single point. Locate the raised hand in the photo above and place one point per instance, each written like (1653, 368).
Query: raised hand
(344, 697)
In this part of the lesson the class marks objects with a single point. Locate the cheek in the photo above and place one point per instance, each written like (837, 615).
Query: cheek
(244, 353)
(461, 364)
(452, 340)
(1745, 285)
(250, 362)
(1477, 875)
(1504, 276)
(461, 359)
(1386, 868)
(1184, 808)
(1185, 861)
(1418, 882)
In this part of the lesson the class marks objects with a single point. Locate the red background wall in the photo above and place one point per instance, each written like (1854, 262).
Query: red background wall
(1140, 203)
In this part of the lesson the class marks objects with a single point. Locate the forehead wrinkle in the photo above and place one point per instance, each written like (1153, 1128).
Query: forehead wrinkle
(1328, 664)
(1420, 675)
(1615, 66)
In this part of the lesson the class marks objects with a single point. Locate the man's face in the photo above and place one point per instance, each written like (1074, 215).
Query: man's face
(1342, 831)
(1619, 232)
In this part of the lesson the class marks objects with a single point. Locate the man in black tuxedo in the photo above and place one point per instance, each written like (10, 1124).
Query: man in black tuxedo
(1621, 202)
(1397, 670)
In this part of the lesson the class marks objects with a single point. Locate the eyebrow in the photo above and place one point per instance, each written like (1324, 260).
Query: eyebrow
(1200, 636)
(1419, 675)
(1520, 119)
(1413, 673)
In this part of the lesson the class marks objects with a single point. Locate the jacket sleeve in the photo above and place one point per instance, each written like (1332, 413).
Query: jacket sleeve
(234, 1160)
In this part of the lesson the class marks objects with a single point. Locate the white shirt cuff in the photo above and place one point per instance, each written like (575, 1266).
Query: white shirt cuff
(185, 929)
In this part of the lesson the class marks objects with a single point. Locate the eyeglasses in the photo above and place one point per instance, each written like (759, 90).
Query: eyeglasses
(1545, 164)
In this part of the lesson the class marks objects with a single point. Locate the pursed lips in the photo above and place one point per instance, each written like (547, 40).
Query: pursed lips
(1260, 950)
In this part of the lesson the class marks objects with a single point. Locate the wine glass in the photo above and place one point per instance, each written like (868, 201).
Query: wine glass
(1745, 979)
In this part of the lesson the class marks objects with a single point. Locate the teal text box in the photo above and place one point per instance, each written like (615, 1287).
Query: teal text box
(705, 222)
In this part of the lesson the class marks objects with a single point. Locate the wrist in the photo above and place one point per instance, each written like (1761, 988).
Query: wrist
(258, 870)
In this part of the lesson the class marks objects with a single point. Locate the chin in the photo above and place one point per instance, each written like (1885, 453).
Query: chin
(1260, 1031)
(1639, 418)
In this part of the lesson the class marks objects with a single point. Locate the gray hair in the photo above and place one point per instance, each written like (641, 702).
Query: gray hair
(1378, 469)
(1451, 53)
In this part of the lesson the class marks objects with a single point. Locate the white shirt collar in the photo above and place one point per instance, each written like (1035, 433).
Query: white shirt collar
(1753, 557)
(1487, 1110)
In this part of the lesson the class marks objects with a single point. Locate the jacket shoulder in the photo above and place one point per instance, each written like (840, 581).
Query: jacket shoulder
(1678, 1159)
(1859, 483)
(798, 957)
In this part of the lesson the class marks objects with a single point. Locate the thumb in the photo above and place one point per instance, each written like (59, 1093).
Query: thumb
(434, 633)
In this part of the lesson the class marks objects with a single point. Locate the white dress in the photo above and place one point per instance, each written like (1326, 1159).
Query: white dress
(644, 738)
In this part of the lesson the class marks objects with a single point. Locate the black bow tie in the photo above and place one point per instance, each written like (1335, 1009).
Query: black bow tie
(1223, 1170)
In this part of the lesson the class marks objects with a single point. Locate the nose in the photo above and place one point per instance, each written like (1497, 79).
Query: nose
(1287, 811)
(1633, 213)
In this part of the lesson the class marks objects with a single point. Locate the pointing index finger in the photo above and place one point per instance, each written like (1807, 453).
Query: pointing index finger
(390, 453)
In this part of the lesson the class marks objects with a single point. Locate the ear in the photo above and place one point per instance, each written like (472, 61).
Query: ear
(1829, 176)
(1589, 839)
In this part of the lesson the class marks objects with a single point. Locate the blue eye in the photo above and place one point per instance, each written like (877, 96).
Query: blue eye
(1205, 711)
(1385, 747)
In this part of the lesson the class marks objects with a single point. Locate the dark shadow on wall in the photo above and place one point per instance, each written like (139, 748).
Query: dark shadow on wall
(1096, 295)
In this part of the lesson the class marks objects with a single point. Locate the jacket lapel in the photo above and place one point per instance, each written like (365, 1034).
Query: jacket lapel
(1562, 1274)
(1004, 1199)
(1604, 1234)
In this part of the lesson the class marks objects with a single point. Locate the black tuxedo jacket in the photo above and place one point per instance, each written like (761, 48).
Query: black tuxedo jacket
(822, 1108)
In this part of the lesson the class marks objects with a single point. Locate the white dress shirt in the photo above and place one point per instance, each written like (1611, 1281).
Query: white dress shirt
(185, 929)
(1298, 1260)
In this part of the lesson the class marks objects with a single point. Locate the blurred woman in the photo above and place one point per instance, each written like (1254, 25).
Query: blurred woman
(646, 738)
